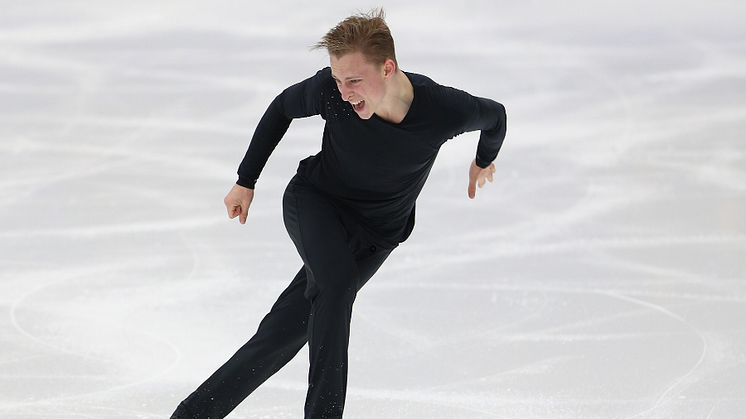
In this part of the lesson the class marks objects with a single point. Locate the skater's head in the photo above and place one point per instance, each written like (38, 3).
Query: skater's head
(366, 33)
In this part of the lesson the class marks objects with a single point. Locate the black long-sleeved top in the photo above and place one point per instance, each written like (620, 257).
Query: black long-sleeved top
(373, 168)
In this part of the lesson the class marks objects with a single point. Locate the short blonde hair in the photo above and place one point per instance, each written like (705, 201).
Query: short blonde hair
(362, 32)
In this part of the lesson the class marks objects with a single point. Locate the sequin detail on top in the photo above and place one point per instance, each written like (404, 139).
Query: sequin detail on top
(336, 109)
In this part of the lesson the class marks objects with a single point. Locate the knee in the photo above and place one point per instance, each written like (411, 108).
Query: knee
(342, 291)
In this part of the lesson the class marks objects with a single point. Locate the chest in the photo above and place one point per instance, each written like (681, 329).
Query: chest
(376, 143)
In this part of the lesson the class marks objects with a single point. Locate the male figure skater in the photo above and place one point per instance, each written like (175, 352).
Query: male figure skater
(347, 207)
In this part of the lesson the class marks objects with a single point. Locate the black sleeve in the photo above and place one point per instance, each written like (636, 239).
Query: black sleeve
(493, 122)
(466, 113)
(298, 101)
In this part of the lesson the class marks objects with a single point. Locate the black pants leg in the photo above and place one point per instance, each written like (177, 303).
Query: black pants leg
(281, 334)
(339, 258)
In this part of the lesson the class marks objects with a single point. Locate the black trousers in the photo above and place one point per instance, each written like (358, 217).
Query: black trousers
(339, 257)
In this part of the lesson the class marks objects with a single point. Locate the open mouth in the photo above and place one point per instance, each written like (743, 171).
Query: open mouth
(358, 106)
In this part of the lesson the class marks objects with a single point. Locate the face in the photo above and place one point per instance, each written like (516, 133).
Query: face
(361, 83)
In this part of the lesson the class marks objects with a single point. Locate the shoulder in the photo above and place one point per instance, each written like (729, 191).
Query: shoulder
(324, 74)
(320, 81)
(308, 97)
(323, 92)
(324, 84)
(451, 109)
(439, 100)
(435, 92)
(420, 80)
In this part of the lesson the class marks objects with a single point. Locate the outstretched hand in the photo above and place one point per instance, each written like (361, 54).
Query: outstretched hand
(238, 201)
(479, 176)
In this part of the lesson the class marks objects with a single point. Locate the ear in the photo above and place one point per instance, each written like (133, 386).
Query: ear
(389, 68)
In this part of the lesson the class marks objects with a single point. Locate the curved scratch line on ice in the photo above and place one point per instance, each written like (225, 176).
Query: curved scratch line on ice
(174, 348)
(25, 333)
(168, 343)
(713, 408)
(163, 372)
(178, 355)
(196, 260)
(660, 401)
(173, 364)
(16, 325)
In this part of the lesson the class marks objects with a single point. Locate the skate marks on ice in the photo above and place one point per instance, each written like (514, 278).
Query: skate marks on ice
(599, 276)
(542, 349)
(619, 326)
(78, 344)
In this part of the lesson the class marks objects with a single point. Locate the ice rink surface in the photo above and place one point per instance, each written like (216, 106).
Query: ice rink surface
(598, 277)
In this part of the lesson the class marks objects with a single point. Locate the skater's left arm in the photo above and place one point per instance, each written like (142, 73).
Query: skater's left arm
(490, 118)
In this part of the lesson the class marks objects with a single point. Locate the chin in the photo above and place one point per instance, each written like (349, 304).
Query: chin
(364, 114)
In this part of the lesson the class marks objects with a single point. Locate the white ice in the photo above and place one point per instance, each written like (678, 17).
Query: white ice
(598, 277)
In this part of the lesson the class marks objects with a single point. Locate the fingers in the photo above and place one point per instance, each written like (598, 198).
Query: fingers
(238, 210)
(473, 178)
(490, 171)
(472, 191)
(484, 179)
(234, 210)
(237, 202)
(486, 174)
(478, 177)
(243, 215)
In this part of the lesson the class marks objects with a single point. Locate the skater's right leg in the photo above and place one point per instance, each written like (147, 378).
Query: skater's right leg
(340, 258)
(281, 334)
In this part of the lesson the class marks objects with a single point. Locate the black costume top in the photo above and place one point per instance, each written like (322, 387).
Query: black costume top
(375, 169)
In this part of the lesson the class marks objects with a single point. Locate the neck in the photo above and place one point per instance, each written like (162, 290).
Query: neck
(400, 94)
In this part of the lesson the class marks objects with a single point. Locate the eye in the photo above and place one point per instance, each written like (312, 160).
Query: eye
(355, 81)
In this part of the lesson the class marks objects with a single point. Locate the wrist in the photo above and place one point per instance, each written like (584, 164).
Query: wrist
(246, 182)
(482, 163)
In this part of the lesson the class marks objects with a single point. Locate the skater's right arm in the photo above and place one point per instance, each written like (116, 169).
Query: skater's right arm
(297, 101)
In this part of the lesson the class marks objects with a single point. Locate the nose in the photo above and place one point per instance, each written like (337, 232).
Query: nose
(345, 93)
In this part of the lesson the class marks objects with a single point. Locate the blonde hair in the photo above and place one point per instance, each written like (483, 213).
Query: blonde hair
(362, 32)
